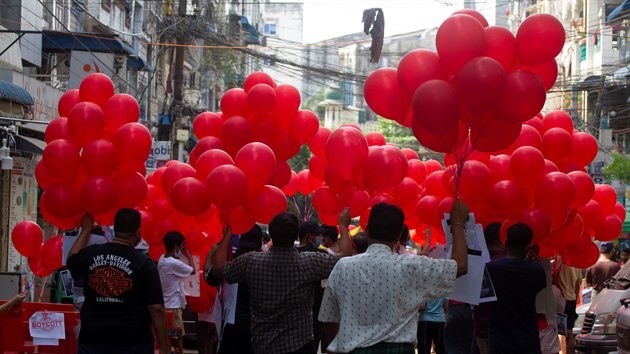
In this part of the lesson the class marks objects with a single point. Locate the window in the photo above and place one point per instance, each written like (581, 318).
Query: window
(106, 4)
(270, 29)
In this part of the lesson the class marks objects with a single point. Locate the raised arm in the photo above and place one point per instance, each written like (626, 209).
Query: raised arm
(344, 242)
(459, 214)
(87, 223)
(220, 256)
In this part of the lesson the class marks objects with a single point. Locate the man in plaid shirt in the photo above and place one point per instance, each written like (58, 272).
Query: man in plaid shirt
(280, 282)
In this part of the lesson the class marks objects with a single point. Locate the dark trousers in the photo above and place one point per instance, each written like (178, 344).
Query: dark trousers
(305, 349)
(317, 334)
(108, 349)
(430, 333)
(458, 332)
(207, 340)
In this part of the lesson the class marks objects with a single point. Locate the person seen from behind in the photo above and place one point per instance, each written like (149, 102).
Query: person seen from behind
(604, 269)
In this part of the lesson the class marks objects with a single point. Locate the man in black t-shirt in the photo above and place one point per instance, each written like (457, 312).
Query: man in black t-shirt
(123, 295)
(513, 327)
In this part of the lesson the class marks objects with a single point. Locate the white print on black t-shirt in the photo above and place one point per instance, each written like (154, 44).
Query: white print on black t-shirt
(107, 299)
(113, 261)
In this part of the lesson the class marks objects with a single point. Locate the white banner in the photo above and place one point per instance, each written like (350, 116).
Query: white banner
(47, 325)
(160, 154)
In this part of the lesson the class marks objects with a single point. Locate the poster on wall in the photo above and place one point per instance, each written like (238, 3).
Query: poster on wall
(23, 194)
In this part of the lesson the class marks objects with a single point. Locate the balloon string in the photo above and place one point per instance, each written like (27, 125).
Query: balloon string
(297, 208)
(460, 160)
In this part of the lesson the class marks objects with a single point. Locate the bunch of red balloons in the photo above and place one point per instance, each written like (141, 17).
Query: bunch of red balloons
(43, 257)
(479, 86)
(94, 160)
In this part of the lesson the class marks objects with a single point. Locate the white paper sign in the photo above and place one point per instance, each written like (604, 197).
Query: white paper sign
(47, 325)
(192, 287)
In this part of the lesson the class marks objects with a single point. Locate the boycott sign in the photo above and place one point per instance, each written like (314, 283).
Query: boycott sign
(47, 325)
(160, 154)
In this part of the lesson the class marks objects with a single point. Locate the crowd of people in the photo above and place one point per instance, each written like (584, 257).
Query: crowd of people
(367, 294)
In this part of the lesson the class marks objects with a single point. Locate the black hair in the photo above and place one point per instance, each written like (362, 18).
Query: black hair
(492, 234)
(385, 223)
(250, 241)
(127, 221)
(283, 229)
(330, 232)
(519, 237)
(361, 242)
(404, 235)
(307, 228)
(172, 239)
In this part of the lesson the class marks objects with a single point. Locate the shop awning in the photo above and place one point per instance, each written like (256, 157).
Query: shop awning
(250, 34)
(60, 42)
(138, 63)
(14, 93)
(619, 11)
(28, 144)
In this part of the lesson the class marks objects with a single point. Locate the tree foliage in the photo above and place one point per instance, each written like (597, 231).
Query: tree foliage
(618, 169)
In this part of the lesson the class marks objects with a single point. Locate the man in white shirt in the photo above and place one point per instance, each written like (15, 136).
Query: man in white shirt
(172, 274)
(372, 299)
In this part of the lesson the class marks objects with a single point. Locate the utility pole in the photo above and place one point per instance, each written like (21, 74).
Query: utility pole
(178, 99)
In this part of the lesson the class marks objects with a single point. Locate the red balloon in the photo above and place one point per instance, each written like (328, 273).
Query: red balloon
(255, 78)
(432, 166)
(346, 152)
(539, 39)
(97, 158)
(609, 229)
(189, 196)
(287, 103)
(550, 167)
(147, 230)
(43, 177)
(584, 149)
(584, 188)
(459, 39)
(281, 174)
(524, 96)
(528, 136)
(317, 167)
(620, 211)
(196, 241)
(417, 67)
(258, 162)
(325, 201)
(174, 173)
(445, 206)
(535, 123)
(359, 202)
(384, 95)
(488, 134)
(86, 122)
(480, 81)
(265, 203)
(500, 168)
(67, 101)
(507, 199)
(417, 171)
(207, 124)
(161, 208)
(98, 195)
(132, 144)
(291, 188)
(427, 210)
(591, 213)
(547, 72)
(434, 185)
(261, 99)
(51, 253)
(317, 144)
(57, 129)
(606, 196)
(119, 110)
(304, 126)
(558, 119)
(568, 233)
(131, 189)
(406, 191)
(375, 139)
(410, 154)
(27, 238)
(208, 143)
(475, 14)
(96, 88)
(501, 46)
(240, 221)
(556, 144)
(475, 182)
(335, 181)
(381, 198)
(234, 103)
(555, 192)
(527, 165)
(62, 201)
(237, 132)
(306, 182)
(436, 107)
(62, 160)
(209, 160)
(585, 259)
(387, 167)
(538, 221)
(227, 186)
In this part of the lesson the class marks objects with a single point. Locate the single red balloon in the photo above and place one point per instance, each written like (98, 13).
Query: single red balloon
(606, 196)
(325, 201)
(132, 144)
(507, 199)
(387, 167)
(62, 160)
(359, 202)
(584, 149)
(539, 39)
(317, 144)
(384, 95)
(234, 103)
(207, 124)
(291, 188)
(255, 78)
(527, 165)
(174, 173)
(524, 96)
(480, 81)
(417, 171)
(609, 229)
(119, 110)
(43, 177)
(98, 195)
(317, 167)
(459, 39)
(62, 201)
(67, 101)
(427, 210)
(475, 14)
(97, 158)
(501, 46)
(557, 144)
(591, 213)
(86, 122)
(51, 253)
(417, 67)
(281, 174)
(189, 196)
(436, 107)
(265, 203)
(209, 160)
(227, 186)
(261, 99)
(346, 151)
(304, 126)
(258, 162)
(475, 182)
(555, 192)
(499, 166)
(547, 72)
(240, 221)
(96, 88)
(558, 119)
(489, 134)
(236, 132)
(27, 238)
(57, 129)
(131, 189)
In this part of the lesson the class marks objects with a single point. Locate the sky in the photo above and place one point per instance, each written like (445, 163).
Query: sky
(325, 19)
